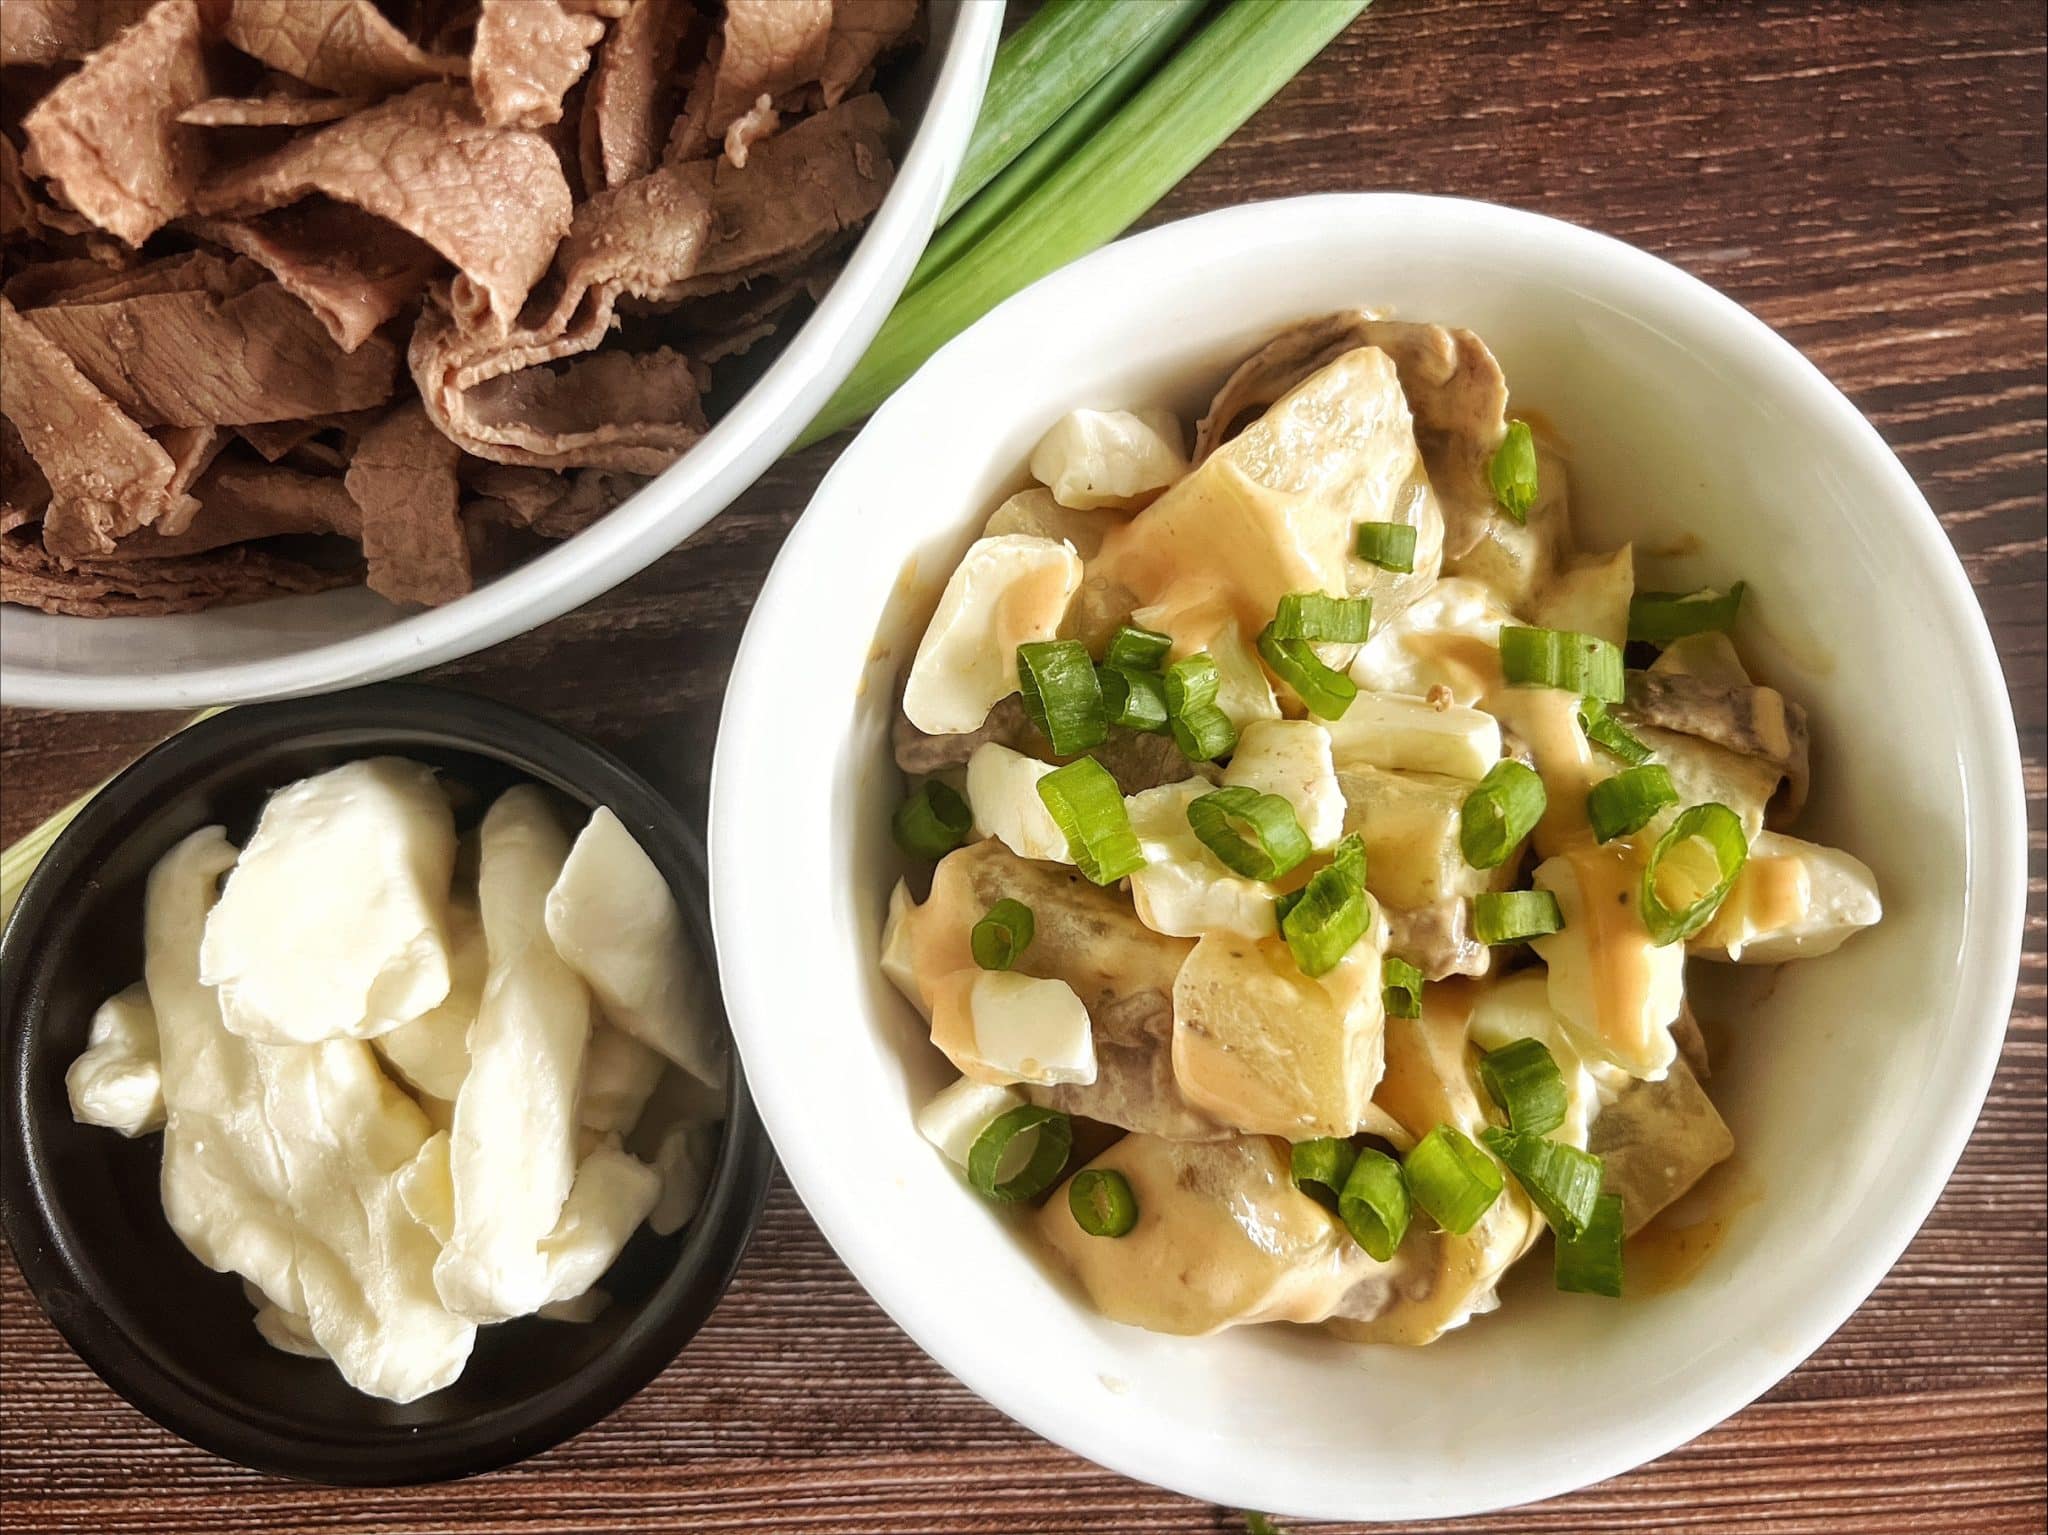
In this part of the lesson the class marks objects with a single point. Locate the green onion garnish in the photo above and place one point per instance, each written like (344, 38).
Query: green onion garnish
(1389, 545)
(1400, 988)
(1499, 812)
(1048, 1158)
(1134, 699)
(932, 822)
(1135, 649)
(1628, 801)
(1374, 1204)
(1102, 1202)
(1320, 1167)
(1061, 695)
(1201, 729)
(1513, 471)
(1721, 830)
(1658, 618)
(1557, 658)
(1323, 618)
(1609, 734)
(1562, 1181)
(1522, 1077)
(1348, 858)
(1324, 919)
(1590, 1263)
(1452, 1179)
(1514, 916)
(1087, 806)
(1253, 834)
(1326, 692)
(1000, 938)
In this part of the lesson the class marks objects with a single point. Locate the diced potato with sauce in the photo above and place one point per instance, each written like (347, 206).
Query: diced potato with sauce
(1183, 888)
(1292, 758)
(1005, 592)
(1409, 824)
(1656, 1140)
(1617, 991)
(1035, 513)
(1590, 595)
(1405, 734)
(1792, 900)
(1002, 791)
(1519, 560)
(1112, 458)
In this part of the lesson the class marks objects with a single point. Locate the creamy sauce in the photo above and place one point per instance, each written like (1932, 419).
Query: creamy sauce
(1548, 720)
(1473, 663)
(1618, 947)
(1769, 895)
(1667, 1253)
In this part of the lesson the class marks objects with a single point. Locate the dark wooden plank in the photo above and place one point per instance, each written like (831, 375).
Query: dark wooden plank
(1869, 179)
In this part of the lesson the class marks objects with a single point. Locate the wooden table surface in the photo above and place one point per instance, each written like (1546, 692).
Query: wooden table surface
(1869, 179)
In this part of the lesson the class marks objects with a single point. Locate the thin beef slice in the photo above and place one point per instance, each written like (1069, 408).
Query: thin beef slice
(346, 46)
(270, 111)
(44, 32)
(527, 55)
(767, 48)
(403, 483)
(241, 500)
(632, 98)
(862, 31)
(353, 270)
(32, 577)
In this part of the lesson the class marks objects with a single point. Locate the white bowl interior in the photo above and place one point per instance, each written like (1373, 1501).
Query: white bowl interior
(1850, 1086)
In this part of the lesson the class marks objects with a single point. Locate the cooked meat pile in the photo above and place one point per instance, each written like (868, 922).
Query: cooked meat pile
(304, 293)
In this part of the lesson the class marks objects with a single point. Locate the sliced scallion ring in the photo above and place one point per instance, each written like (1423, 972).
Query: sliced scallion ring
(1558, 658)
(1320, 1167)
(1675, 856)
(1658, 618)
(1389, 545)
(1629, 800)
(1323, 618)
(1253, 834)
(1452, 1179)
(1102, 1202)
(1561, 1181)
(1203, 734)
(932, 821)
(1041, 1170)
(1327, 916)
(1087, 806)
(1522, 1077)
(1513, 471)
(1326, 691)
(1590, 1263)
(1499, 812)
(1609, 734)
(1131, 698)
(1514, 916)
(1138, 650)
(1348, 858)
(1061, 694)
(1000, 938)
(1191, 682)
(1374, 1204)
(1400, 988)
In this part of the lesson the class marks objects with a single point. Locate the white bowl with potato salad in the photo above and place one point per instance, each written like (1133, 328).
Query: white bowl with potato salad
(1310, 961)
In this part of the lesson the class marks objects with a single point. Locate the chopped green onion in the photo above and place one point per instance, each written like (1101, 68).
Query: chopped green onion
(1658, 618)
(1628, 801)
(1590, 1263)
(1374, 1204)
(1389, 545)
(1326, 691)
(1721, 830)
(1348, 858)
(1191, 682)
(1000, 938)
(1514, 916)
(1134, 699)
(1200, 728)
(1087, 806)
(1557, 658)
(1561, 1181)
(1452, 1179)
(1323, 618)
(932, 822)
(1522, 1077)
(1609, 734)
(1320, 1168)
(1400, 988)
(1498, 813)
(1253, 834)
(1062, 695)
(1102, 1202)
(1513, 471)
(1135, 649)
(1055, 1139)
(1326, 917)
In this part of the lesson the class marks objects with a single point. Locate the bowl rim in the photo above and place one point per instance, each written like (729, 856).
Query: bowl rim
(1994, 848)
(647, 525)
(403, 715)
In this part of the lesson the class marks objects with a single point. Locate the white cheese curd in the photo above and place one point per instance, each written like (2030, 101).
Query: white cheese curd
(684, 1160)
(1002, 1026)
(117, 1082)
(1292, 758)
(1184, 890)
(1002, 791)
(1007, 591)
(1449, 638)
(333, 923)
(577, 1310)
(430, 1053)
(619, 1075)
(282, 1330)
(956, 1115)
(1518, 1007)
(1401, 733)
(899, 949)
(1617, 992)
(612, 1195)
(1114, 458)
(426, 1186)
(1792, 900)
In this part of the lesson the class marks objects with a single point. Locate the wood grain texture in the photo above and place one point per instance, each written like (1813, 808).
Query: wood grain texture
(1869, 179)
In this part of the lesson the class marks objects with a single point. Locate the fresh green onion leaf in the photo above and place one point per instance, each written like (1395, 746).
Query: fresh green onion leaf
(1135, 649)
(1055, 1139)
(1253, 834)
(1134, 699)
(1513, 471)
(1201, 729)
(1514, 916)
(1710, 828)
(1323, 618)
(1088, 808)
(1658, 618)
(1062, 695)
(932, 821)
(1348, 858)
(1102, 1202)
(1000, 938)
(1320, 1168)
(1561, 1181)
(1326, 691)
(1499, 812)
(1452, 1179)
(1609, 734)
(1191, 682)
(1329, 914)
(1374, 1204)
(1389, 545)
(1590, 1263)
(1400, 988)
(1628, 801)
(1522, 1077)
(1557, 658)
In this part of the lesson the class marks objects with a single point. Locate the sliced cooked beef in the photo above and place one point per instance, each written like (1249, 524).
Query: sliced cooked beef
(1437, 939)
(608, 410)
(108, 137)
(354, 271)
(241, 500)
(346, 46)
(24, 493)
(32, 577)
(540, 501)
(527, 55)
(767, 47)
(633, 93)
(491, 200)
(42, 32)
(403, 483)
(270, 111)
(862, 31)
(1135, 1089)
(1757, 722)
(1138, 760)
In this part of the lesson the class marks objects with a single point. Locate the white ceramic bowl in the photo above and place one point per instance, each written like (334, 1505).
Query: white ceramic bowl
(1851, 1090)
(301, 645)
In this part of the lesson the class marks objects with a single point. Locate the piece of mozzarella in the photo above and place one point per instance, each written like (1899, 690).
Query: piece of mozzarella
(1184, 890)
(1109, 458)
(955, 1117)
(117, 1082)
(1006, 591)
(1292, 758)
(1002, 791)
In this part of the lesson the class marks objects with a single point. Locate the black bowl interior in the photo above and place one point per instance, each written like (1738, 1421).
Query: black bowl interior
(81, 1206)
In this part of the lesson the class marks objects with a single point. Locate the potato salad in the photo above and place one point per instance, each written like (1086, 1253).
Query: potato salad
(410, 1079)
(1310, 840)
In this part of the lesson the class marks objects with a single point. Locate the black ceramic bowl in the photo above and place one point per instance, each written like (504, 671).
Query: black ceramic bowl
(80, 1204)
